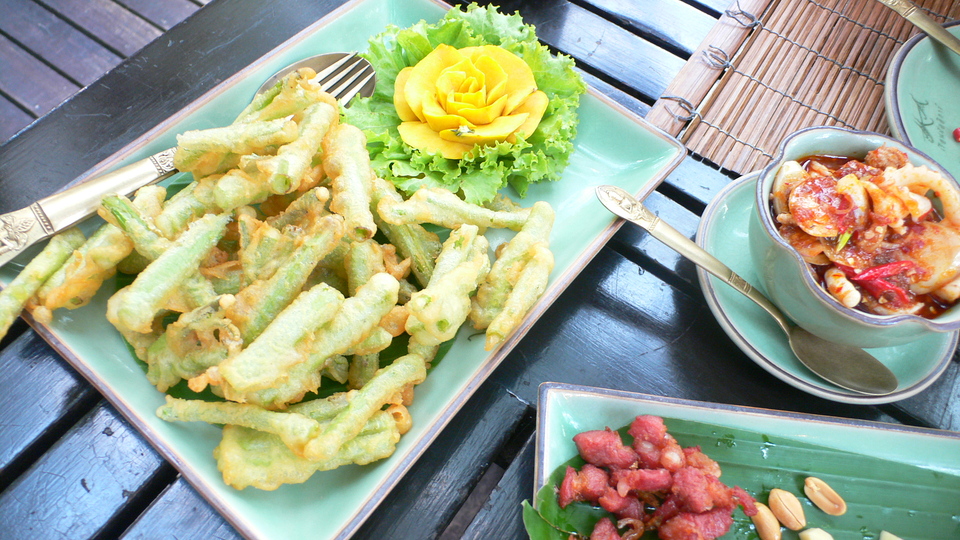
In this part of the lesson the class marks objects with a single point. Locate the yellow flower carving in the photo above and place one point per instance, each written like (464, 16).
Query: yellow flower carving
(455, 99)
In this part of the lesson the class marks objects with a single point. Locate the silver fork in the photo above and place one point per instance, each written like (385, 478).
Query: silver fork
(344, 78)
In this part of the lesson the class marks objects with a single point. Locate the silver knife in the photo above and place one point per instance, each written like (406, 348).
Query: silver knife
(909, 11)
(22, 228)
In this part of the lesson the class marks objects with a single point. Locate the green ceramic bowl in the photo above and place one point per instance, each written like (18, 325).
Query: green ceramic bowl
(790, 282)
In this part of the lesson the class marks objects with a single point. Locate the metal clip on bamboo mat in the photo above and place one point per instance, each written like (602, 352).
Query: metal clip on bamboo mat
(757, 78)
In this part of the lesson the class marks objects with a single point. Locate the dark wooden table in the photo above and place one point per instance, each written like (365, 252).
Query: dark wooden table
(635, 319)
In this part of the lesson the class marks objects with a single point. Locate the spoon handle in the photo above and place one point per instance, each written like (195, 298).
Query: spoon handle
(626, 206)
(911, 12)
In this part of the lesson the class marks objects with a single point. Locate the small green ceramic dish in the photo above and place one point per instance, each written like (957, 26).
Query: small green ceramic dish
(922, 98)
(895, 478)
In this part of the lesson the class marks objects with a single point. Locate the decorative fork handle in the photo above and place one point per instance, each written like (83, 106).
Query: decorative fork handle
(909, 11)
(22, 228)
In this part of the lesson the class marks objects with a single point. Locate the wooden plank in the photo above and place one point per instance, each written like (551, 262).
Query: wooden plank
(695, 181)
(12, 119)
(501, 516)
(163, 14)
(673, 23)
(180, 512)
(90, 476)
(114, 111)
(644, 250)
(438, 483)
(117, 27)
(16, 330)
(58, 43)
(613, 52)
(29, 82)
(631, 103)
(42, 397)
(715, 6)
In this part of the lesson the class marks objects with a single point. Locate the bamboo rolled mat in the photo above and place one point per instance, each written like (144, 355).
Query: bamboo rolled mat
(771, 67)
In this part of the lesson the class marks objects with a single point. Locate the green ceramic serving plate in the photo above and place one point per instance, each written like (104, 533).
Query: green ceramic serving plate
(895, 478)
(613, 146)
(922, 98)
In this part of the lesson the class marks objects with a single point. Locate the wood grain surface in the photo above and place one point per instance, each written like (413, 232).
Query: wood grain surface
(635, 319)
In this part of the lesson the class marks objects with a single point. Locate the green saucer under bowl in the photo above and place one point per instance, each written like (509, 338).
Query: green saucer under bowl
(723, 232)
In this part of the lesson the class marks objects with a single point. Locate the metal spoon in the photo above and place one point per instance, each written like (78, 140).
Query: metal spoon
(342, 75)
(911, 12)
(848, 367)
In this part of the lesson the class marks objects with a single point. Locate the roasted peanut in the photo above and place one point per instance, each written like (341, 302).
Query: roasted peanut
(787, 508)
(822, 495)
(768, 528)
(815, 534)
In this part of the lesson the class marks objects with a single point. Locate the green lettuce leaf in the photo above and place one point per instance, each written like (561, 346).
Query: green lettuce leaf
(486, 169)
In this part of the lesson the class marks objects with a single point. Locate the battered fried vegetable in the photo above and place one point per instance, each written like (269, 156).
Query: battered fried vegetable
(234, 189)
(378, 340)
(135, 306)
(412, 240)
(196, 341)
(283, 172)
(441, 207)
(195, 290)
(15, 295)
(247, 457)
(383, 388)
(438, 311)
(294, 429)
(259, 303)
(303, 378)
(347, 164)
(289, 96)
(241, 138)
(512, 259)
(82, 274)
(80, 277)
(362, 369)
(364, 259)
(303, 210)
(263, 248)
(528, 289)
(180, 211)
(350, 324)
(274, 350)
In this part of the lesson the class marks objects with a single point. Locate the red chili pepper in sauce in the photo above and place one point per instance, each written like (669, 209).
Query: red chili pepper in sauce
(882, 270)
(956, 134)
(877, 288)
(872, 279)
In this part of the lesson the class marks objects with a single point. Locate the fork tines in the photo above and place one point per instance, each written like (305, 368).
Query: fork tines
(345, 77)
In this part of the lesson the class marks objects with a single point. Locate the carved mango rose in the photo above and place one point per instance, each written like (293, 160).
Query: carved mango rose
(455, 99)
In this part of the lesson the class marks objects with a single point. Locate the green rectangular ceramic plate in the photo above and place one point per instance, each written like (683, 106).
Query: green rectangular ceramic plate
(895, 478)
(613, 146)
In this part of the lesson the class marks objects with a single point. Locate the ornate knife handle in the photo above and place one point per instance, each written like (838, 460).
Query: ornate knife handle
(22, 228)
